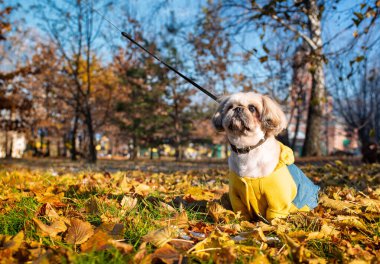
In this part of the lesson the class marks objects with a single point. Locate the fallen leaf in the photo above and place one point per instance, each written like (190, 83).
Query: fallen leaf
(336, 204)
(142, 189)
(51, 198)
(52, 230)
(351, 221)
(166, 254)
(92, 206)
(213, 244)
(122, 247)
(141, 253)
(127, 204)
(99, 241)
(161, 236)
(219, 213)
(13, 243)
(48, 211)
(78, 232)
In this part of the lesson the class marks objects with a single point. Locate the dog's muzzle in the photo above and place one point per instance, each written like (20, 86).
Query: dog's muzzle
(239, 121)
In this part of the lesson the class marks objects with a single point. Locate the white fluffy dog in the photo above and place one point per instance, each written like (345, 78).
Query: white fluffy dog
(264, 182)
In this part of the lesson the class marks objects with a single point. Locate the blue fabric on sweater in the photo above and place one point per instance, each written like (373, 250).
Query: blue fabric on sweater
(307, 191)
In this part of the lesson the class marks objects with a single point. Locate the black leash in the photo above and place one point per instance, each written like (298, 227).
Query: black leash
(207, 92)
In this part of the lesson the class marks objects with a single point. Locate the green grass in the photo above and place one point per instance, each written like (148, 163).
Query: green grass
(18, 217)
(325, 249)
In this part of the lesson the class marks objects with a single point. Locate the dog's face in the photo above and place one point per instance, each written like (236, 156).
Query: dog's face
(249, 115)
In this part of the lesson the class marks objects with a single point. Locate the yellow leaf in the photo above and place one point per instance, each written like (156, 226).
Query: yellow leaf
(14, 243)
(213, 244)
(161, 236)
(329, 231)
(219, 213)
(197, 193)
(336, 204)
(53, 230)
(78, 232)
(351, 221)
(260, 259)
(143, 189)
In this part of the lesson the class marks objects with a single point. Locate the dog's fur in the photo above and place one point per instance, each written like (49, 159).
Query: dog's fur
(247, 118)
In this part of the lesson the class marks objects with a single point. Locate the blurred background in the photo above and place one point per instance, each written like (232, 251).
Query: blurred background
(72, 87)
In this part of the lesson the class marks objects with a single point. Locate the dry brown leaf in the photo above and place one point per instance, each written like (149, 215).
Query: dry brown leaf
(161, 236)
(78, 232)
(53, 230)
(12, 243)
(329, 231)
(371, 205)
(180, 220)
(127, 204)
(48, 211)
(336, 204)
(115, 231)
(351, 221)
(141, 253)
(167, 207)
(122, 247)
(99, 241)
(92, 206)
(51, 198)
(166, 254)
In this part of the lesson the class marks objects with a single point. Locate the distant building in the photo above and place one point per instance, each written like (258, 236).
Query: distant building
(13, 143)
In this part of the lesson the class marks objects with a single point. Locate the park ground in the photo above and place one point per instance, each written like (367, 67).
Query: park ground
(161, 211)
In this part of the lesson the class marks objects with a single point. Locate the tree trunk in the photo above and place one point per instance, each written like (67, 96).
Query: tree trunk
(64, 154)
(6, 143)
(47, 148)
(42, 143)
(312, 144)
(91, 135)
(135, 148)
(296, 129)
(73, 150)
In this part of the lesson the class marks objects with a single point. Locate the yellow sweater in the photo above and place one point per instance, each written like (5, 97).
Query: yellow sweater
(283, 191)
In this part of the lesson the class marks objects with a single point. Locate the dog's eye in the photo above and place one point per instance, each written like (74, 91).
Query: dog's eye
(251, 108)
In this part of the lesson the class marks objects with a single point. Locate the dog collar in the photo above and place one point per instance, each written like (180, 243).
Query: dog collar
(246, 149)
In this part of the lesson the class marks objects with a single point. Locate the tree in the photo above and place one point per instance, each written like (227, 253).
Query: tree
(140, 110)
(178, 93)
(73, 29)
(358, 101)
(303, 20)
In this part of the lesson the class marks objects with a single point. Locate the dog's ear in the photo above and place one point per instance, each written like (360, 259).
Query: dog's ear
(273, 119)
(217, 119)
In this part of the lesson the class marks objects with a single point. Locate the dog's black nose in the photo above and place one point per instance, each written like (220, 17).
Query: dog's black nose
(238, 109)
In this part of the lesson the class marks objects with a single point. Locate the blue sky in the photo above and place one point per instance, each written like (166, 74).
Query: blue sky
(186, 12)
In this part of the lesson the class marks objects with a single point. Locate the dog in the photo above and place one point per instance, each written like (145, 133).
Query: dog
(264, 183)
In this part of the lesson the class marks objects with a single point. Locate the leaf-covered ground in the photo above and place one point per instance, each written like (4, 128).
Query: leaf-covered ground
(182, 217)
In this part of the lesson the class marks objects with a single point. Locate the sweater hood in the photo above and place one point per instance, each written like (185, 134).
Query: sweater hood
(286, 155)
